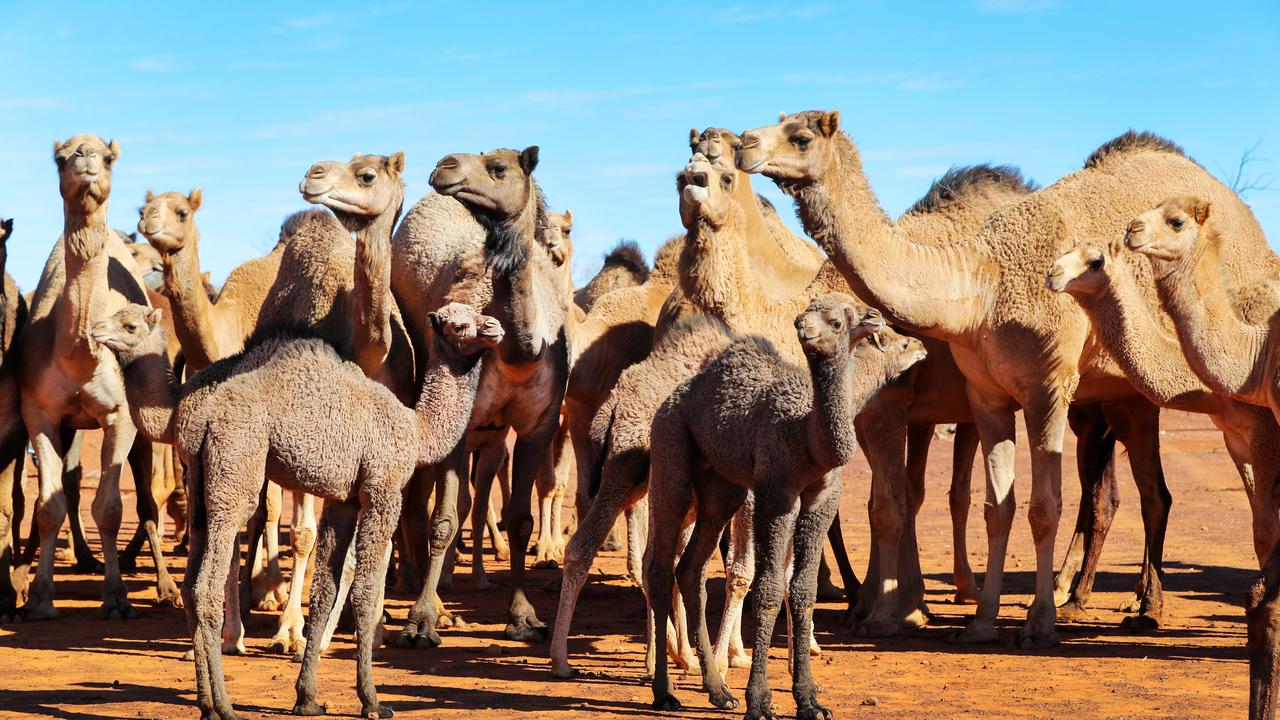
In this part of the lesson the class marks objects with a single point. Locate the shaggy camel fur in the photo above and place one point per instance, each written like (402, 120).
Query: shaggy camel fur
(13, 435)
(483, 222)
(1191, 243)
(1119, 296)
(623, 267)
(753, 421)
(255, 413)
(67, 381)
(1018, 344)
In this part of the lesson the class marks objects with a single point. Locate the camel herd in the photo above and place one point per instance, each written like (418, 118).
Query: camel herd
(377, 368)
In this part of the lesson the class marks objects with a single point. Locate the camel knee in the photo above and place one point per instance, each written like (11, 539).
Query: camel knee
(886, 519)
(442, 535)
(1043, 516)
(107, 510)
(51, 512)
(304, 541)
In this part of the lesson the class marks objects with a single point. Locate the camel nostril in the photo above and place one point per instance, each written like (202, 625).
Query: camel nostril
(699, 179)
(448, 162)
(316, 171)
(749, 141)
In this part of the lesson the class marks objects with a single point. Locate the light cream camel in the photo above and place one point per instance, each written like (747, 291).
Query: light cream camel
(1117, 292)
(256, 413)
(13, 434)
(753, 421)
(483, 222)
(623, 267)
(1018, 344)
(66, 380)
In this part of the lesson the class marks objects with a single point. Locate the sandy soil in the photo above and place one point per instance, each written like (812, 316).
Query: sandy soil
(1195, 667)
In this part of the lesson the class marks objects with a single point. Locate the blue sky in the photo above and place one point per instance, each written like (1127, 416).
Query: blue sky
(241, 98)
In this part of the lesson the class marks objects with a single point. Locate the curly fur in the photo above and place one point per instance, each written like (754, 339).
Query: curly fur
(1131, 141)
(957, 181)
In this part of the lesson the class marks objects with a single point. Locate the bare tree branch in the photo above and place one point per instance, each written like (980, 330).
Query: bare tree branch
(1242, 181)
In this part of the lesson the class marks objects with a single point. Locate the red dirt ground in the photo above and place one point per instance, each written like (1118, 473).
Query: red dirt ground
(1195, 667)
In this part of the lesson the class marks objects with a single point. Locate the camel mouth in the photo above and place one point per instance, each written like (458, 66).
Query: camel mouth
(313, 194)
(452, 188)
(1056, 279)
(755, 167)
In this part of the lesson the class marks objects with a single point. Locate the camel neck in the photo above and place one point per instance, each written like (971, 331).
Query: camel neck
(780, 276)
(1150, 356)
(715, 274)
(525, 297)
(842, 385)
(937, 290)
(1227, 353)
(372, 302)
(192, 310)
(85, 235)
(443, 410)
(152, 390)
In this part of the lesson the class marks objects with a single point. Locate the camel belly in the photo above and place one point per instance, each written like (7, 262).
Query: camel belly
(522, 404)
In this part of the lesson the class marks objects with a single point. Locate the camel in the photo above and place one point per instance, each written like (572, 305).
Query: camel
(255, 413)
(13, 435)
(753, 421)
(1119, 296)
(1018, 344)
(90, 273)
(623, 267)
(483, 219)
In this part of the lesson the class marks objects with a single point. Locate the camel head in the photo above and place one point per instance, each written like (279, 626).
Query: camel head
(126, 333)
(706, 193)
(836, 321)
(359, 191)
(1084, 271)
(900, 351)
(168, 220)
(150, 263)
(799, 148)
(1168, 231)
(464, 330)
(554, 236)
(716, 144)
(84, 169)
(497, 184)
(6, 231)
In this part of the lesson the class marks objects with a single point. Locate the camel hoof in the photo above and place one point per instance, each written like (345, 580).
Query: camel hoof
(974, 634)
(878, 628)
(528, 630)
(1028, 640)
(189, 655)
(738, 660)
(10, 617)
(309, 707)
(1073, 611)
(760, 714)
(547, 563)
(484, 583)
(1060, 598)
(723, 699)
(117, 608)
(1141, 623)
(502, 555)
(813, 712)
(444, 621)
(689, 664)
(667, 703)
(168, 593)
(92, 566)
(965, 597)
(611, 544)
(1132, 605)
(830, 592)
(373, 712)
(563, 671)
(418, 637)
(916, 619)
(234, 648)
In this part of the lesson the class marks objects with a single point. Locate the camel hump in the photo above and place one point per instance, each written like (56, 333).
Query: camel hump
(1128, 142)
(628, 256)
(294, 224)
(959, 181)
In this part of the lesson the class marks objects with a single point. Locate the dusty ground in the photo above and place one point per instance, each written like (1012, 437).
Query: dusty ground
(83, 667)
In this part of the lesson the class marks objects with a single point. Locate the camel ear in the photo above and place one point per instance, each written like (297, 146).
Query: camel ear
(57, 159)
(1200, 210)
(150, 195)
(133, 236)
(207, 276)
(8, 228)
(730, 137)
(153, 317)
(829, 123)
(114, 146)
(529, 159)
(693, 138)
(436, 325)
(782, 116)
(195, 198)
(568, 218)
(395, 163)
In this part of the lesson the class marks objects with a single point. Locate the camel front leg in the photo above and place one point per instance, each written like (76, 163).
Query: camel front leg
(147, 484)
(72, 475)
(118, 436)
(270, 592)
(958, 498)
(1262, 615)
(994, 417)
(1137, 424)
(739, 573)
(483, 470)
(1045, 416)
(532, 456)
(13, 452)
(888, 511)
(775, 524)
(420, 628)
(1099, 498)
(548, 552)
(288, 638)
(818, 508)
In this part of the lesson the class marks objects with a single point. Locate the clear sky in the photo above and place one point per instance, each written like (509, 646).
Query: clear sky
(241, 98)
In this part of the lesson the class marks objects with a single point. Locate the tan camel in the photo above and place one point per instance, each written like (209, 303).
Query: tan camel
(488, 206)
(255, 413)
(13, 434)
(623, 267)
(67, 381)
(760, 423)
(1119, 296)
(1018, 344)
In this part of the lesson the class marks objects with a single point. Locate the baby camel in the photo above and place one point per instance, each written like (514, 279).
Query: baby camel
(264, 409)
(752, 421)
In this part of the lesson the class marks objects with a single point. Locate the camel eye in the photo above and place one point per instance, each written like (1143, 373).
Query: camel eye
(131, 327)
(368, 177)
(1176, 223)
(726, 181)
(801, 142)
(837, 323)
(182, 216)
(499, 171)
(108, 160)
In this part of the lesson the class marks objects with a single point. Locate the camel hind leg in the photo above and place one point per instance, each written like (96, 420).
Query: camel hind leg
(270, 592)
(1099, 499)
(333, 537)
(288, 638)
(550, 483)
(483, 470)
(818, 508)
(375, 524)
(963, 453)
(739, 573)
(148, 484)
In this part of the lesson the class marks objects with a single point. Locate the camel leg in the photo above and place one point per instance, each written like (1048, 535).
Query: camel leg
(775, 524)
(912, 609)
(1099, 498)
(1045, 417)
(889, 508)
(117, 440)
(667, 510)
(994, 417)
(619, 490)
(288, 638)
(141, 464)
(818, 508)
(253, 550)
(1262, 616)
(739, 572)
(532, 456)
(464, 503)
(51, 510)
(72, 476)
(718, 500)
(411, 565)
(852, 587)
(549, 550)
(419, 630)
(374, 526)
(333, 537)
(1137, 423)
(962, 456)
(637, 517)
(501, 550)
(13, 452)
(483, 470)
(270, 592)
